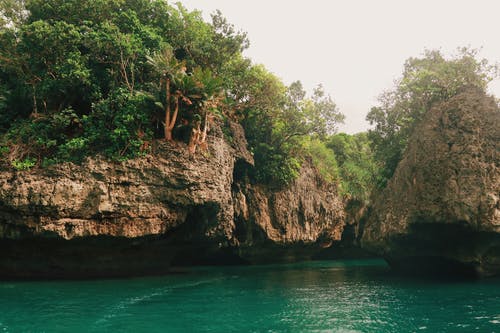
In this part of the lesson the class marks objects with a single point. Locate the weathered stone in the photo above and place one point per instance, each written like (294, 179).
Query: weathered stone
(139, 216)
(309, 214)
(440, 212)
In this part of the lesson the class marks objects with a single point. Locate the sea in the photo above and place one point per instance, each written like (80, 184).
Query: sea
(318, 296)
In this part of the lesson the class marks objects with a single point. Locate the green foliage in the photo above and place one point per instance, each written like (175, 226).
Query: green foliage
(228, 42)
(301, 116)
(117, 126)
(25, 164)
(425, 82)
(322, 114)
(165, 64)
(277, 119)
(257, 97)
(79, 78)
(274, 167)
(358, 170)
(323, 158)
(86, 77)
(42, 137)
(4, 123)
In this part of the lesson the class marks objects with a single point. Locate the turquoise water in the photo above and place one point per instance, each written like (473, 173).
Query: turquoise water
(342, 296)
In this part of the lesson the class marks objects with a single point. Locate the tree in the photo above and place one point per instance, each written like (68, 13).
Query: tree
(169, 69)
(425, 81)
(300, 116)
(210, 99)
(227, 42)
(278, 120)
(323, 114)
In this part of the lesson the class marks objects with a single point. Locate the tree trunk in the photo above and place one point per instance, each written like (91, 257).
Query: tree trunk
(202, 142)
(193, 140)
(168, 130)
(176, 112)
(35, 109)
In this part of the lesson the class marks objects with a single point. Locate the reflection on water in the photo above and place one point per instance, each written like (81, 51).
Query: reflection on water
(350, 296)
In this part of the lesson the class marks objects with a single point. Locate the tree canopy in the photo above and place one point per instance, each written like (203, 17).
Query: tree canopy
(75, 74)
(80, 77)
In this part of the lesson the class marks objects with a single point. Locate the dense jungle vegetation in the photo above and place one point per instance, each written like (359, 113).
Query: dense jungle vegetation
(109, 77)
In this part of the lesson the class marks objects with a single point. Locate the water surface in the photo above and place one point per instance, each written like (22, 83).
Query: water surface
(336, 296)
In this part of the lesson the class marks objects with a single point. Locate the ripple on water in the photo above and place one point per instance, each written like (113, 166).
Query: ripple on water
(352, 297)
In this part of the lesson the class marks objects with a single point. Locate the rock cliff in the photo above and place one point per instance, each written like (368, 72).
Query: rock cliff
(292, 223)
(440, 212)
(140, 216)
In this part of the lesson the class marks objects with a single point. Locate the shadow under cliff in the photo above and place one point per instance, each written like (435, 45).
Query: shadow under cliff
(445, 250)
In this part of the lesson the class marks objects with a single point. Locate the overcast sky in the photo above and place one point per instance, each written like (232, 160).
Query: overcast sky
(355, 48)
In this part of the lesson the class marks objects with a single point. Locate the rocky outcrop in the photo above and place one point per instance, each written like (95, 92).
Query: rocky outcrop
(104, 218)
(290, 224)
(140, 216)
(440, 212)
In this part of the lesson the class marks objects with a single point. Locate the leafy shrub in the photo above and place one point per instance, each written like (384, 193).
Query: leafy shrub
(274, 168)
(118, 126)
(323, 158)
(25, 164)
(357, 167)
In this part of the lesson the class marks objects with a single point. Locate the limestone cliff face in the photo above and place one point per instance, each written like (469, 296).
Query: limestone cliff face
(141, 197)
(441, 209)
(139, 216)
(308, 215)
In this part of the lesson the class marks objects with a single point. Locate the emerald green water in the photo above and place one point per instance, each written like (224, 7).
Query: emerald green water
(342, 296)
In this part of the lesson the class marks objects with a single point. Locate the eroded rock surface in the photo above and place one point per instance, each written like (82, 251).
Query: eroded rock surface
(139, 216)
(441, 212)
(292, 223)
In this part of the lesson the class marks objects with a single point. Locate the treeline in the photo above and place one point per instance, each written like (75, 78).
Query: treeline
(109, 77)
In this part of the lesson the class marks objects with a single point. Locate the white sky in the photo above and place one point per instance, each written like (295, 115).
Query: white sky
(356, 48)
